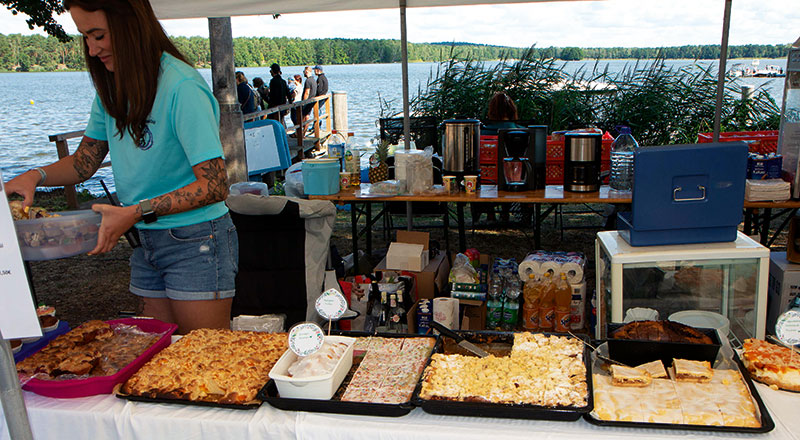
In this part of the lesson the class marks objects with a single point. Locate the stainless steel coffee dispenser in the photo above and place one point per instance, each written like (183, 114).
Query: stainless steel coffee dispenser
(582, 161)
(460, 142)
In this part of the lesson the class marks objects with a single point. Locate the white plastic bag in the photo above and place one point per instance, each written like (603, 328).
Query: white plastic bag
(294, 181)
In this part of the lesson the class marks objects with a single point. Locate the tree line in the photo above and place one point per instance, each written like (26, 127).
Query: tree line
(39, 53)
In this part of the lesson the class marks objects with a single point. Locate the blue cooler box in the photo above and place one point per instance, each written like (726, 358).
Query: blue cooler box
(686, 194)
(321, 176)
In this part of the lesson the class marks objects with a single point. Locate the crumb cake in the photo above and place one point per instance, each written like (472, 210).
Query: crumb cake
(541, 370)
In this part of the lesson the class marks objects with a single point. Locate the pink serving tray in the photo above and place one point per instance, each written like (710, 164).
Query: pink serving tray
(105, 384)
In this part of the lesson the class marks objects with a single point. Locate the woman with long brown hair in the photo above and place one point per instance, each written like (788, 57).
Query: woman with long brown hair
(159, 121)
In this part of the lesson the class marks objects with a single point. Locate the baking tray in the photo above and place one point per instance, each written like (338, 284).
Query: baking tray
(637, 351)
(767, 424)
(32, 347)
(245, 406)
(486, 340)
(105, 384)
(270, 395)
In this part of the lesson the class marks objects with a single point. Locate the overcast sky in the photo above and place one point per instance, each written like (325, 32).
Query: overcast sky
(628, 23)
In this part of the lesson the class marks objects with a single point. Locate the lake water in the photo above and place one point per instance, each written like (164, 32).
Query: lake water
(62, 100)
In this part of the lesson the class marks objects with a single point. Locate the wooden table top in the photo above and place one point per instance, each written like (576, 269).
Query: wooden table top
(551, 194)
(490, 194)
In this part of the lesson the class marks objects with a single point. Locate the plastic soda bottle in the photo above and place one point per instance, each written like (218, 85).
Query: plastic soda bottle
(530, 306)
(622, 160)
(547, 304)
(494, 305)
(563, 300)
(511, 306)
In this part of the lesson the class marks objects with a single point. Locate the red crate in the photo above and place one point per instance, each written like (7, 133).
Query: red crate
(489, 174)
(488, 153)
(554, 172)
(555, 147)
(759, 142)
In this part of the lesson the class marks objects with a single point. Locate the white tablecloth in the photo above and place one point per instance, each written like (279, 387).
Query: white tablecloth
(107, 417)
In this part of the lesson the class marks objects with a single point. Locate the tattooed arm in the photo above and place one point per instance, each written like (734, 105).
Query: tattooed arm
(210, 186)
(75, 168)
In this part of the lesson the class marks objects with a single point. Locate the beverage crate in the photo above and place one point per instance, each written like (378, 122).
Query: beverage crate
(759, 142)
(488, 174)
(487, 150)
(555, 148)
(554, 172)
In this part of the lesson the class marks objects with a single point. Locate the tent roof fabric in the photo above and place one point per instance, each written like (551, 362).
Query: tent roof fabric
(169, 9)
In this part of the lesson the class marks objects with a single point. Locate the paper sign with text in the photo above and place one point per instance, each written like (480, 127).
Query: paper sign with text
(18, 313)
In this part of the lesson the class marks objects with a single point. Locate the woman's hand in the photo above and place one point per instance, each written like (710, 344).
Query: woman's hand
(116, 221)
(24, 185)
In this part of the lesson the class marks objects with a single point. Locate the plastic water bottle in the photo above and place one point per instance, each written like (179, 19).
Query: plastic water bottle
(494, 305)
(622, 160)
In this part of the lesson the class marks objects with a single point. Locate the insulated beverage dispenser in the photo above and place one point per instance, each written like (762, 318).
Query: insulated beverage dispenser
(582, 161)
(460, 147)
(514, 168)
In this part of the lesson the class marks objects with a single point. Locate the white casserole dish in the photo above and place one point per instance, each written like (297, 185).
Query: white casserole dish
(316, 387)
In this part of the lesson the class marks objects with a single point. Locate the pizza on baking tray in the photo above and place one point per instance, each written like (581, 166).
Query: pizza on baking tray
(208, 365)
(772, 364)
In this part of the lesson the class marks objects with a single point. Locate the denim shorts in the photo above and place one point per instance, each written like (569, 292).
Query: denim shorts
(196, 262)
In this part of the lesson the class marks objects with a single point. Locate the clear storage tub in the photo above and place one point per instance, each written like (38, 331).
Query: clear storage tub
(49, 238)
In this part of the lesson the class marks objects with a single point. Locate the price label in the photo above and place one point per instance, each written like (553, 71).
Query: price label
(331, 304)
(305, 338)
(787, 329)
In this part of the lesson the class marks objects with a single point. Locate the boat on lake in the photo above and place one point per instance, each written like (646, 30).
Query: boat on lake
(754, 71)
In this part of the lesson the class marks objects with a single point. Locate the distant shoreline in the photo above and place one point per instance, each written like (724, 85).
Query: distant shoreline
(584, 60)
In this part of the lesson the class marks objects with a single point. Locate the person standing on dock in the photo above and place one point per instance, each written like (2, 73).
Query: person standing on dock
(246, 95)
(159, 120)
(278, 92)
(309, 91)
(322, 81)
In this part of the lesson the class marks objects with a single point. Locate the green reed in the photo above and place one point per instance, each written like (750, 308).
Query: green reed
(661, 104)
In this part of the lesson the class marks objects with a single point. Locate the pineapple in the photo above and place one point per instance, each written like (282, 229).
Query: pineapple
(378, 168)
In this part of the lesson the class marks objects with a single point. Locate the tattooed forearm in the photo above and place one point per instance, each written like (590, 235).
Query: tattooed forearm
(210, 187)
(89, 156)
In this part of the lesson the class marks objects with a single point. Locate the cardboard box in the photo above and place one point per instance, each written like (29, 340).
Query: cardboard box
(430, 280)
(408, 252)
(784, 285)
(473, 314)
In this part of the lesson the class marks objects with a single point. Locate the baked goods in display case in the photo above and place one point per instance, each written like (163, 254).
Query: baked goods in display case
(92, 349)
(389, 371)
(210, 365)
(772, 364)
(542, 370)
(724, 400)
(660, 331)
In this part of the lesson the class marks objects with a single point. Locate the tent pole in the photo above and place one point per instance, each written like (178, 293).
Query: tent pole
(231, 124)
(406, 116)
(723, 60)
(11, 395)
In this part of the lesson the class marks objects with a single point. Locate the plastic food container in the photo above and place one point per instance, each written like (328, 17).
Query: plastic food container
(105, 384)
(73, 233)
(316, 387)
(321, 176)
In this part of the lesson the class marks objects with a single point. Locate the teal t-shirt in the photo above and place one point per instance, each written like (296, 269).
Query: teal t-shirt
(182, 131)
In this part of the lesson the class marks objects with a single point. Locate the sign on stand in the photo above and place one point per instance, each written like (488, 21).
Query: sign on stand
(17, 320)
(18, 314)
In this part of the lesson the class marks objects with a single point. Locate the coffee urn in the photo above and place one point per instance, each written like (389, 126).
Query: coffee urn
(460, 141)
(582, 161)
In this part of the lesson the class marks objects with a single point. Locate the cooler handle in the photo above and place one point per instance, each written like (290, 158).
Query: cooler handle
(691, 199)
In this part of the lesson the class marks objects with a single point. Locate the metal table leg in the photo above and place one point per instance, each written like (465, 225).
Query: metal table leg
(748, 221)
(462, 236)
(354, 220)
(537, 226)
(765, 221)
(369, 229)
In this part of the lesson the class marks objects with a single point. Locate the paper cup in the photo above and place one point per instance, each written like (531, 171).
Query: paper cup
(449, 183)
(344, 180)
(471, 184)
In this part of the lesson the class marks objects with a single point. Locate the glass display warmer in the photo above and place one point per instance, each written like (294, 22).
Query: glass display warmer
(726, 278)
